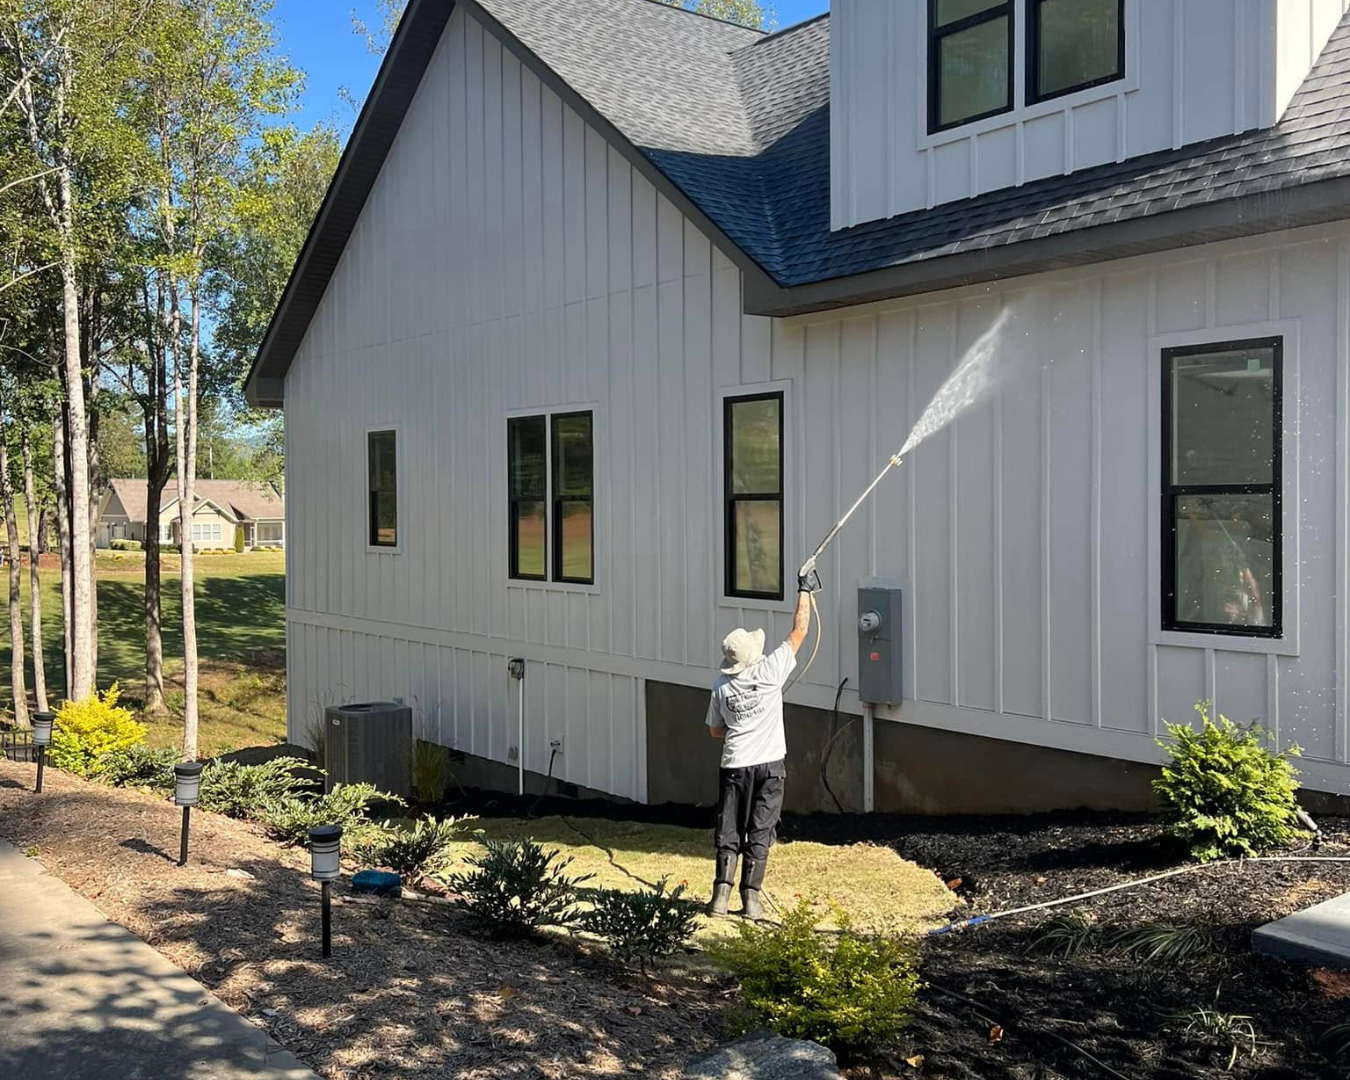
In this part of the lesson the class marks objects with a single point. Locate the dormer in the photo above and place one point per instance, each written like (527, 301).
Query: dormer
(934, 101)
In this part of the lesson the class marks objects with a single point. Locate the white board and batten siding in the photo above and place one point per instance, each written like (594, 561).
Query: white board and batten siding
(509, 260)
(1194, 70)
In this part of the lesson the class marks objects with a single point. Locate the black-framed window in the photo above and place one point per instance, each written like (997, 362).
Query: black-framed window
(573, 498)
(550, 464)
(1072, 45)
(382, 484)
(970, 61)
(753, 489)
(1222, 543)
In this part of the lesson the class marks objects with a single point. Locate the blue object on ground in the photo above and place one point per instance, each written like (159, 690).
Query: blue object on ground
(378, 883)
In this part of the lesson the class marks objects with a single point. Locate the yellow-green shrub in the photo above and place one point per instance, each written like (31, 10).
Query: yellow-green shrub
(86, 730)
(850, 991)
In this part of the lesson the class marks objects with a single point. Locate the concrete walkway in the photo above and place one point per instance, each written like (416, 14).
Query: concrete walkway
(82, 998)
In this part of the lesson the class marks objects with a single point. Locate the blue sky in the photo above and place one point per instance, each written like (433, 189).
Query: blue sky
(317, 35)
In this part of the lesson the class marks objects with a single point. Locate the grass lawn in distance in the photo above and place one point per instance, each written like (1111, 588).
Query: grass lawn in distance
(241, 637)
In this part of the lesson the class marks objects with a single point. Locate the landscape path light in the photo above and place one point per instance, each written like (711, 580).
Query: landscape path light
(187, 790)
(325, 862)
(42, 737)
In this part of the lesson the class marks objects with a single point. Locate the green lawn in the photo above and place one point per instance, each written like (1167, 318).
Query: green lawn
(241, 638)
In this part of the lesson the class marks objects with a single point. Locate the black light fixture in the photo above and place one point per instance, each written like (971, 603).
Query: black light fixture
(42, 737)
(187, 789)
(325, 862)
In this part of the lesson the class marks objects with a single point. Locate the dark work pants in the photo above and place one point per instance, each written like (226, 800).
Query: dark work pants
(749, 805)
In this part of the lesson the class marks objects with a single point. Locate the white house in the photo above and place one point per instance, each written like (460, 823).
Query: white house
(612, 308)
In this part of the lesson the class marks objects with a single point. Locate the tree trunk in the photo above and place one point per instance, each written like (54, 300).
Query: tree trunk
(157, 474)
(81, 561)
(185, 434)
(35, 516)
(16, 675)
(92, 411)
(63, 539)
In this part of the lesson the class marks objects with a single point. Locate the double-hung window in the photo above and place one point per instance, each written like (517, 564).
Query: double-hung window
(753, 489)
(1221, 513)
(1073, 44)
(382, 489)
(970, 61)
(550, 465)
(1070, 45)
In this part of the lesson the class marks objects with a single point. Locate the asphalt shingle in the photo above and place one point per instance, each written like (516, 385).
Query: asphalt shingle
(740, 123)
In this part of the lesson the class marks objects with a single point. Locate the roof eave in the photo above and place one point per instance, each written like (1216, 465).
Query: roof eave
(1250, 215)
(400, 74)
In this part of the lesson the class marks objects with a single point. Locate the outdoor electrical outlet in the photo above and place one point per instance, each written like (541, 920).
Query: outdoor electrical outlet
(556, 744)
(512, 754)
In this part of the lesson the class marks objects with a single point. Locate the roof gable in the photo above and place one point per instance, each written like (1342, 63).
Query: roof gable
(733, 127)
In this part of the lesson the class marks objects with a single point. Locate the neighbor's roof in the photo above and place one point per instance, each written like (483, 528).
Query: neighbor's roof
(733, 126)
(245, 500)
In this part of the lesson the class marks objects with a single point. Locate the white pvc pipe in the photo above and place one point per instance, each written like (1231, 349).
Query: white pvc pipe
(868, 779)
(520, 730)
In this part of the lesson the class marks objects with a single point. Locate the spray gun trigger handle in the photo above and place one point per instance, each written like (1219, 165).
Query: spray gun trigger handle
(807, 567)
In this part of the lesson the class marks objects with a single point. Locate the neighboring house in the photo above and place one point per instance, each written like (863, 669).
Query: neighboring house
(612, 308)
(222, 507)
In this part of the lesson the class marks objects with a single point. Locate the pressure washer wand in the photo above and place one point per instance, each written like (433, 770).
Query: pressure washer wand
(894, 463)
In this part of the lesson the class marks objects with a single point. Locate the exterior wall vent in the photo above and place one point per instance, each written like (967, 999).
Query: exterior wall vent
(369, 743)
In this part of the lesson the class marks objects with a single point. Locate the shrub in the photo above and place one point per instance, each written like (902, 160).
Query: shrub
(124, 545)
(517, 887)
(316, 736)
(244, 791)
(290, 819)
(137, 766)
(426, 848)
(86, 730)
(853, 993)
(1224, 793)
(238, 539)
(640, 927)
(430, 771)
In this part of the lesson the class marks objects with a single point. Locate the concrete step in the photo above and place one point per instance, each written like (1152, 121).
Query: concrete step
(1319, 935)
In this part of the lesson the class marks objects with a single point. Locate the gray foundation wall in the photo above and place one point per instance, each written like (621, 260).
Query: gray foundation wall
(918, 770)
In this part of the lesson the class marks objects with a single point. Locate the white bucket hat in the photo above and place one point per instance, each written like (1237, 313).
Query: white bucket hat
(742, 649)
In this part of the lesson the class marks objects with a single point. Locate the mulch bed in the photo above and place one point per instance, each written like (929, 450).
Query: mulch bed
(1119, 1011)
(1114, 1009)
(409, 991)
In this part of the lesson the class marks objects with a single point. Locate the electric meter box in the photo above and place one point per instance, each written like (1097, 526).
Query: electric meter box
(880, 671)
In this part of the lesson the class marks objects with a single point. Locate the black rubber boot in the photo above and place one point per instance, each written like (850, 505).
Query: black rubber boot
(725, 877)
(752, 878)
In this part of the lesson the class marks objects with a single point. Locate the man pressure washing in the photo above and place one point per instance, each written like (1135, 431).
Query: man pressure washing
(746, 712)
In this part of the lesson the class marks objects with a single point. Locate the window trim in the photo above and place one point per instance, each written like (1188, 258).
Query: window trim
(399, 488)
(598, 482)
(1033, 63)
(729, 499)
(1170, 491)
(936, 36)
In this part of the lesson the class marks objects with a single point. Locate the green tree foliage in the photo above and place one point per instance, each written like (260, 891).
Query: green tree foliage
(745, 12)
(1224, 793)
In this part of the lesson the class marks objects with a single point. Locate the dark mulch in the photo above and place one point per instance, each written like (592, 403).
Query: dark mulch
(1122, 1013)
(1119, 1011)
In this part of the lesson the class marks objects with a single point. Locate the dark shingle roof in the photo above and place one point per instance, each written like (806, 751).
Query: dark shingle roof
(734, 126)
(768, 186)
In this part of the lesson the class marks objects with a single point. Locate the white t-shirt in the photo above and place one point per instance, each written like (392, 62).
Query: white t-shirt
(750, 707)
